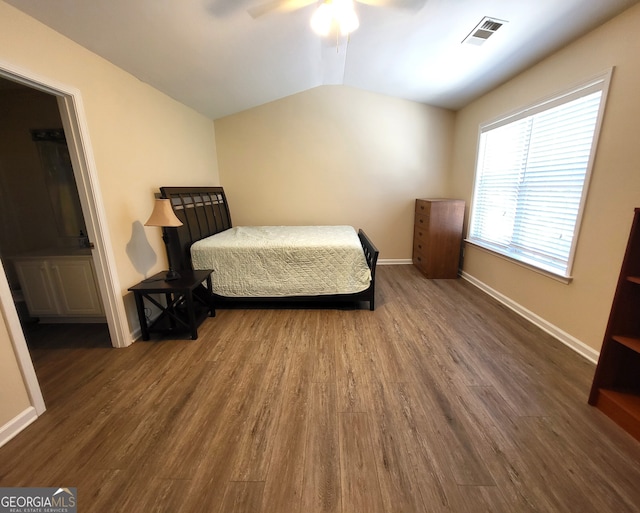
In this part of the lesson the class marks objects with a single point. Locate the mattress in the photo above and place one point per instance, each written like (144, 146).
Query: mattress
(277, 261)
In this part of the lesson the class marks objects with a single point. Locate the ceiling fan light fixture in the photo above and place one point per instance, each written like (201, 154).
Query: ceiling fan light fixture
(348, 20)
(322, 19)
(335, 13)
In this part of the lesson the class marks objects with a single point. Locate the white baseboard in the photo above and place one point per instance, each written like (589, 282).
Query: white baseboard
(577, 345)
(395, 261)
(17, 424)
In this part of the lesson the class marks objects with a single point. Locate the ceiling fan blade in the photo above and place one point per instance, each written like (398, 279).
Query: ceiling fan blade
(278, 5)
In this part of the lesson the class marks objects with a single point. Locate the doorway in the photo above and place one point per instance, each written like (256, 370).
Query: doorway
(44, 248)
(71, 113)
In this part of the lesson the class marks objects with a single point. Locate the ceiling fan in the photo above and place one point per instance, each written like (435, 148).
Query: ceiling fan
(331, 15)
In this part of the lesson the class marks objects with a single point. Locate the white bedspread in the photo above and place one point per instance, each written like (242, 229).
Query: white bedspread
(276, 261)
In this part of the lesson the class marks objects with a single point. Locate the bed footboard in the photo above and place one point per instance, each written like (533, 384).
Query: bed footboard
(371, 255)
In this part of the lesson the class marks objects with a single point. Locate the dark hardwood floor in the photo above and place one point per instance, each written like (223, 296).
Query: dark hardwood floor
(441, 400)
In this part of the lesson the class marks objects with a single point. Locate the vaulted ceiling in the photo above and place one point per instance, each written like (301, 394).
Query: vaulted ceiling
(218, 57)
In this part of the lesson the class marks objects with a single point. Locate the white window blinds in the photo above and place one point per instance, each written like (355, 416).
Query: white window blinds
(531, 179)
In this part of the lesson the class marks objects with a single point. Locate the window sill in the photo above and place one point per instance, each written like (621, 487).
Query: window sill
(558, 277)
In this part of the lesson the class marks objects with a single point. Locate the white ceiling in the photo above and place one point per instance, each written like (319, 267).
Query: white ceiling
(213, 56)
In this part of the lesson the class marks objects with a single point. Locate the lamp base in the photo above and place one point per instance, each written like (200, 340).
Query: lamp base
(172, 275)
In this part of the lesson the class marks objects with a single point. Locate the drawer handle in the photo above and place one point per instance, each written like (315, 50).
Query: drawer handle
(422, 220)
(419, 246)
(421, 207)
(419, 259)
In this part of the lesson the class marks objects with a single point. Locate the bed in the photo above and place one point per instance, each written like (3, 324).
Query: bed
(327, 264)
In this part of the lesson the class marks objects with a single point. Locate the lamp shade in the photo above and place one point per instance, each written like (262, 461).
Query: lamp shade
(163, 214)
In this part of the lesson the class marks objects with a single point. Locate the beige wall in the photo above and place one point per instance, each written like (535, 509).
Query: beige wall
(13, 394)
(581, 308)
(336, 155)
(141, 139)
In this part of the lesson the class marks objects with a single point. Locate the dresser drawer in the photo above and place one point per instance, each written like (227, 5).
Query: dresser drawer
(420, 247)
(423, 207)
(421, 233)
(422, 221)
(421, 262)
(420, 241)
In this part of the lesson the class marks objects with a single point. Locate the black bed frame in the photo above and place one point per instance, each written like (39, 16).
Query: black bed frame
(204, 211)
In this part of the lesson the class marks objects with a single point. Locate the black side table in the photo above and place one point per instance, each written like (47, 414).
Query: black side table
(188, 302)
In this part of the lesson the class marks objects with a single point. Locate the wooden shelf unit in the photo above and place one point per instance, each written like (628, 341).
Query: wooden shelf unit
(616, 384)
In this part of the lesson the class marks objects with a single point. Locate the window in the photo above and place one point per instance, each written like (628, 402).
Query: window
(532, 175)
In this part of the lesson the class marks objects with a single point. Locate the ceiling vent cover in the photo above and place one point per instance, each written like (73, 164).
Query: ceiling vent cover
(483, 31)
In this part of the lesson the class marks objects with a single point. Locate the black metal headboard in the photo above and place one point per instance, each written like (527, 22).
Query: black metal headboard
(204, 211)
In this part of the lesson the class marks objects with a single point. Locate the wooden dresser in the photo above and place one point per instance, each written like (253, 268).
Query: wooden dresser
(437, 237)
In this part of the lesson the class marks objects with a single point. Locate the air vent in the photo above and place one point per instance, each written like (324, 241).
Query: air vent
(483, 31)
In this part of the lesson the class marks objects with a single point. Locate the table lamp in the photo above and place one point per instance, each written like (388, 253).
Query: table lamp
(164, 216)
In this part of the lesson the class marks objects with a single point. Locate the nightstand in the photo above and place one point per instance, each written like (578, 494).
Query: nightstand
(188, 302)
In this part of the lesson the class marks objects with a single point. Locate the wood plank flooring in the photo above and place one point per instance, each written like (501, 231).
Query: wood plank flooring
(439, 401)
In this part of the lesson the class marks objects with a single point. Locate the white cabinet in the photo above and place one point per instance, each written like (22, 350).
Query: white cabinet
(37, 287)
(59, 286)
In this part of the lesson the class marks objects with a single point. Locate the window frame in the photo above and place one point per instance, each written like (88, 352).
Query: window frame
(599, 82)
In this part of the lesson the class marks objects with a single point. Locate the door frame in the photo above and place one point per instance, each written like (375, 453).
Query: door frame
(84, 169)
